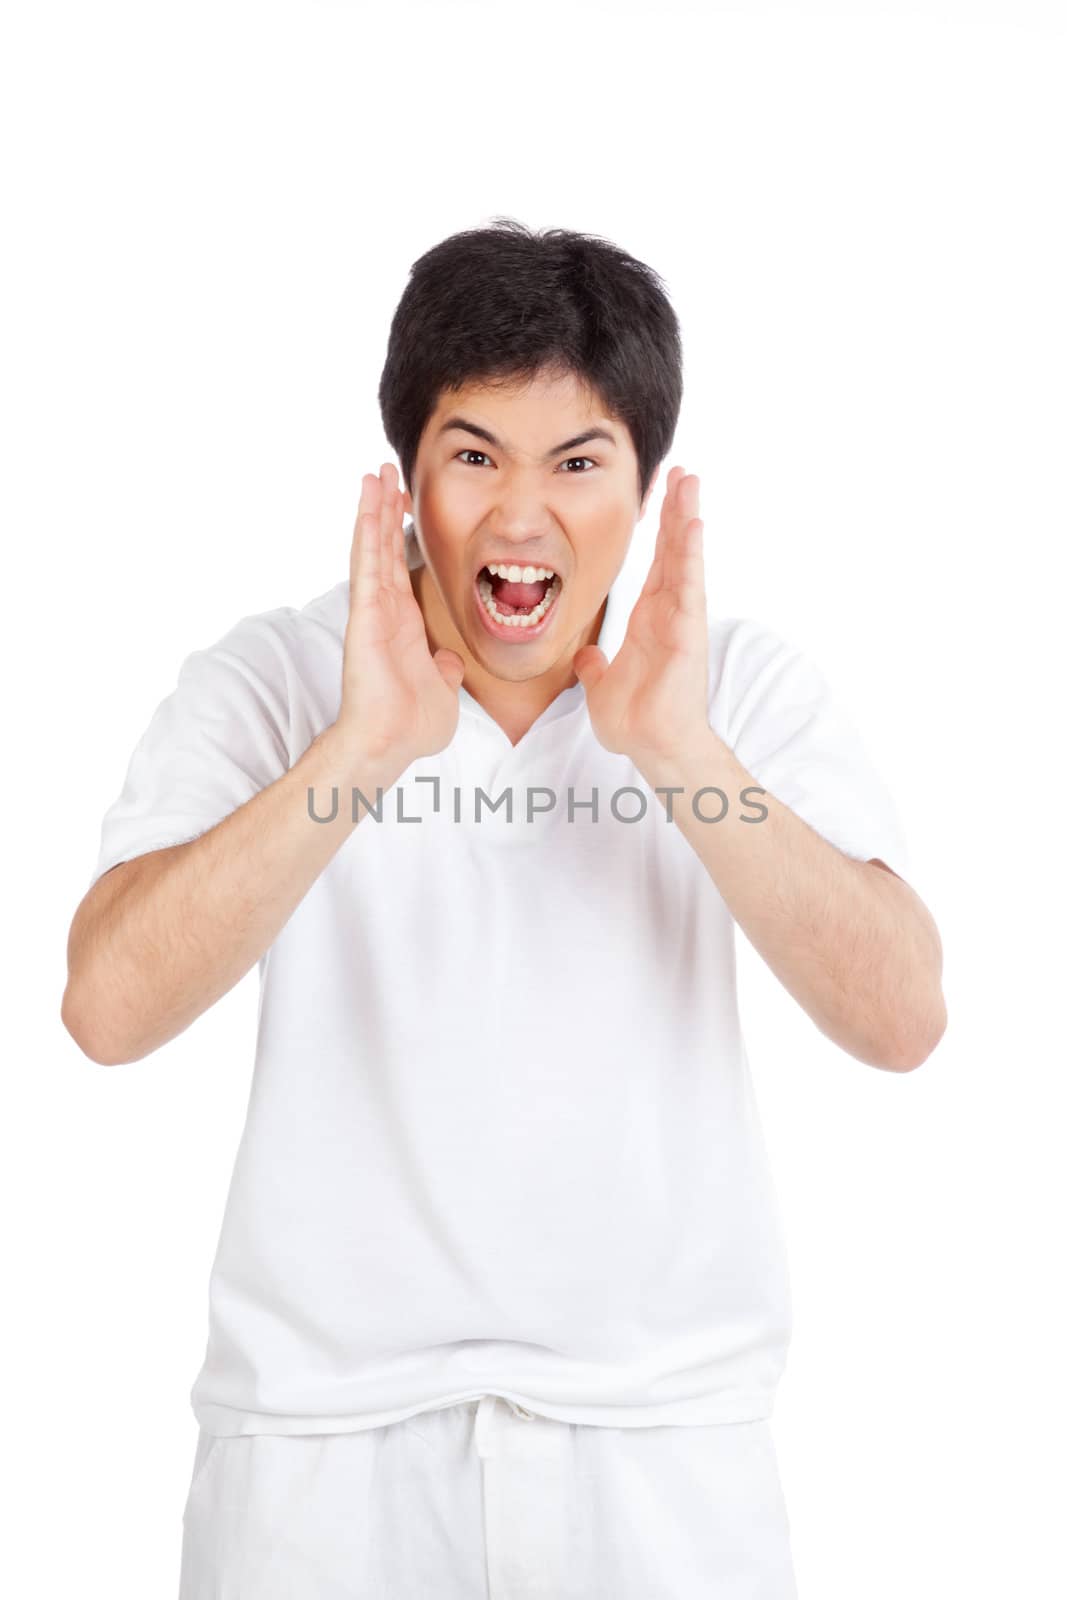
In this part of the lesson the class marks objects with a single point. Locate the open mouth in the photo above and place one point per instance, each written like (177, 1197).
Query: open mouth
(517, 597)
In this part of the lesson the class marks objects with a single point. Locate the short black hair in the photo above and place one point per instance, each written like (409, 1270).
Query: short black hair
(504, 303)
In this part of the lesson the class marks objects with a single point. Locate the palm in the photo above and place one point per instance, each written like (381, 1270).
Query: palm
(402, 698)
(652, 697)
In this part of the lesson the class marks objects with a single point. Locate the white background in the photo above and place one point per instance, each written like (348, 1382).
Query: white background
(210, 213)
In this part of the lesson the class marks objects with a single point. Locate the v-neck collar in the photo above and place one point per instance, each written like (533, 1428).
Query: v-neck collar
(612, 631)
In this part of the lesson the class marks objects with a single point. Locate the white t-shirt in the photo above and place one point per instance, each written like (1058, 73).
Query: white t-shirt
(501, 1135)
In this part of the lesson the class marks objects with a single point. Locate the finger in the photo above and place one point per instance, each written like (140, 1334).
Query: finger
(393, 550)
(356, 554)
(654, 581)
(590, 664)
(366, 564)
(392, 529)
(450, 665)
(686, 507)
(669, 512)
(691, 598)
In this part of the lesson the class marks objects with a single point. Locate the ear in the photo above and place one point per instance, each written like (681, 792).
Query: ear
(648, 495)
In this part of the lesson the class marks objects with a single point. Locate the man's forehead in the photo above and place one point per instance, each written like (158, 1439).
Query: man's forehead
(531, 416)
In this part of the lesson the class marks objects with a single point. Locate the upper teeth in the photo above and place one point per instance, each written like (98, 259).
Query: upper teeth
(520, 574)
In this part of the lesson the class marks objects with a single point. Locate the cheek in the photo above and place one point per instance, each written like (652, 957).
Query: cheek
(446, 562)
(442, 524)
(448, 493)
(601, 545)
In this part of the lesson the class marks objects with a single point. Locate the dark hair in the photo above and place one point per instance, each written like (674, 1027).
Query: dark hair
(504, 303)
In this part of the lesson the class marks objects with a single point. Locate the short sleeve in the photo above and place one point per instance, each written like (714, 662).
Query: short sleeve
(218, 738)
(774, 708)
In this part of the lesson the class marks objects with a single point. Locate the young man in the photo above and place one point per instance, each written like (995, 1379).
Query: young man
(500, 1302)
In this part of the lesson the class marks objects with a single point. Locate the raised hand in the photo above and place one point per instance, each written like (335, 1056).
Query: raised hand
(398, 702)
(650, 703)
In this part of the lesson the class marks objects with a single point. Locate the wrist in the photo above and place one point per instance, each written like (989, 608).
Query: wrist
(341, 757)
(693, 762)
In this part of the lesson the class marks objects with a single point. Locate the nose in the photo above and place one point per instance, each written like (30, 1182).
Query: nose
(523, 545)
(521, 517)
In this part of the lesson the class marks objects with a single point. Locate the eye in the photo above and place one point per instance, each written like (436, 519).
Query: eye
(592, 463)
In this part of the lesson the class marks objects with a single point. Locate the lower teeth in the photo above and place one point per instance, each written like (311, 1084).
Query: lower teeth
(518, 619)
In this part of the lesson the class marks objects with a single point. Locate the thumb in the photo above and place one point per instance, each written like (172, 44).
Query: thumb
(451, 666)
(590, 663)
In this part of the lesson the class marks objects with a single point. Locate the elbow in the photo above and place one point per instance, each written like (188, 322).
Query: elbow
(86, 1032)
(921, 1040)
(920, 1014)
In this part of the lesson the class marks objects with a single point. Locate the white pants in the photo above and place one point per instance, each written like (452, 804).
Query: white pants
(483, 1501)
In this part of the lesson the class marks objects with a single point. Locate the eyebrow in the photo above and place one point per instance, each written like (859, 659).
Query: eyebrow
(461, 425)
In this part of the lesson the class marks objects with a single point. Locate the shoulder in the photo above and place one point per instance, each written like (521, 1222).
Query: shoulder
(745, 640)
(283, 644)
(747, 659)
(278, 669)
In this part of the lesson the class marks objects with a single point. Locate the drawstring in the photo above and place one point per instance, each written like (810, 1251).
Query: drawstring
(483, 1421)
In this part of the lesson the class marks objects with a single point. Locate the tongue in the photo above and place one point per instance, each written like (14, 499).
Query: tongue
(519, 594)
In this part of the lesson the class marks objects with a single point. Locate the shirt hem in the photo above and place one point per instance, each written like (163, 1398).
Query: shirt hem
(701, 1411)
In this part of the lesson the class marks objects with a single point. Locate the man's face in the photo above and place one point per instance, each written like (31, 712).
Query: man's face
(513, 488)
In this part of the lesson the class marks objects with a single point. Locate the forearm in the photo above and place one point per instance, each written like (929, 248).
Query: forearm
(183, 925)
(854, 945)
